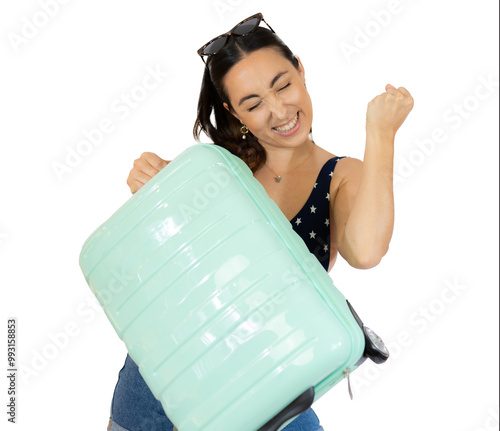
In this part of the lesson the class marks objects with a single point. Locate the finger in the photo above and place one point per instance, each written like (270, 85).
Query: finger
(141, 177)
(408, 96)
(142, 166)
(154, 160)
(135, 186)
(404, 91)
(391, 89)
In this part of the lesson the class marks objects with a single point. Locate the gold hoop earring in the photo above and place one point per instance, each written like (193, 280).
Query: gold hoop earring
(244, 131)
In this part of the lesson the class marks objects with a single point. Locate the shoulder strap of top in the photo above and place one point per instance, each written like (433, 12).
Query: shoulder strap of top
(327, 172)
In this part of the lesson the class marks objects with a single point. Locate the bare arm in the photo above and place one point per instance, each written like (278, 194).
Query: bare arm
(364, 205)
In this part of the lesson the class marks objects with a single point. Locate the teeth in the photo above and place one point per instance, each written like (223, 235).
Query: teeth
(290, 126)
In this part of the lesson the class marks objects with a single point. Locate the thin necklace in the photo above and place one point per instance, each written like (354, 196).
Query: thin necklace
(278, 178)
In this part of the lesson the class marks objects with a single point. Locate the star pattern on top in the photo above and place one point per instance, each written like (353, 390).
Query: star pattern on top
(312, 222)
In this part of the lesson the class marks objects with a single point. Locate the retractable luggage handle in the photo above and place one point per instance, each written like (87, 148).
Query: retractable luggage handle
(375, 349)
(295, 408)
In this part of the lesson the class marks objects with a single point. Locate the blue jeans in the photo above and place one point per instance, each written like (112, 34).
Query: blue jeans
(134, 407)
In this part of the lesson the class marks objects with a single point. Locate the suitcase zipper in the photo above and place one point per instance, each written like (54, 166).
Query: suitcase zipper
(347, 372)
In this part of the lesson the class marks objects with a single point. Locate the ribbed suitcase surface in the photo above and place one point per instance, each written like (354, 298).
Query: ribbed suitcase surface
(228, 315)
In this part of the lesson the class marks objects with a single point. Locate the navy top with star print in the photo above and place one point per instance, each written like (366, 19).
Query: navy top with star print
(312, 222)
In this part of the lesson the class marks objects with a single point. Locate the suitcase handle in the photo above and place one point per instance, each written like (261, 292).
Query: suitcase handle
(295, 408)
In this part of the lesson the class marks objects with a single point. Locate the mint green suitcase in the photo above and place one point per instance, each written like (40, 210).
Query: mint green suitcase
(233, 323)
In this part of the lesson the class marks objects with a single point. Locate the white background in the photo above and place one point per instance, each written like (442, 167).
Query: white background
(65, 77)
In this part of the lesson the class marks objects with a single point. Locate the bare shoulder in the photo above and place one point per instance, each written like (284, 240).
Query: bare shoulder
(348, 168)
(347, 171)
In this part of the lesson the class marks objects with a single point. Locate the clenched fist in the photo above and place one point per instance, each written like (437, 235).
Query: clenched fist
(388, 111)
(145, 168)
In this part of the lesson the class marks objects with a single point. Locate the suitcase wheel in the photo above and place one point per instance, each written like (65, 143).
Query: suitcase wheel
(375, 349)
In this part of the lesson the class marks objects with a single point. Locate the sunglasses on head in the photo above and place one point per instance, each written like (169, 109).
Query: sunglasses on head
(242, 29)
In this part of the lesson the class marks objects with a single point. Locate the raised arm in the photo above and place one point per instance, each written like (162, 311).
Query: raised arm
(364, 205)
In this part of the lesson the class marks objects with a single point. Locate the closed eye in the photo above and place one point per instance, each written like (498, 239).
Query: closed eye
(258, 104)
(254, 107)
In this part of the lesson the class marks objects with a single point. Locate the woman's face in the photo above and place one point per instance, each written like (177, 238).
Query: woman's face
(268, 94)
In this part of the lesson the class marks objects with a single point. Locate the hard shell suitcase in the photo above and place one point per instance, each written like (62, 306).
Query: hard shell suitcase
(233, 323)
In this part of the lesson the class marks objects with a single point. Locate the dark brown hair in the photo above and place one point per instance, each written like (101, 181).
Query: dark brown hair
(226, 132)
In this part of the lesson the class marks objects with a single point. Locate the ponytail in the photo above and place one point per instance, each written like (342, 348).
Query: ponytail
(227, 129)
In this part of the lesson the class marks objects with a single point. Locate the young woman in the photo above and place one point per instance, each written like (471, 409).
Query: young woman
(255, 89)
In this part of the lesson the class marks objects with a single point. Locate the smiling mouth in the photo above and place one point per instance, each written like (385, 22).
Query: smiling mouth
(289, 126)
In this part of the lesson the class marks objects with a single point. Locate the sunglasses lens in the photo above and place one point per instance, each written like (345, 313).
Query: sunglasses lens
(246, 27)
(215, 46)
